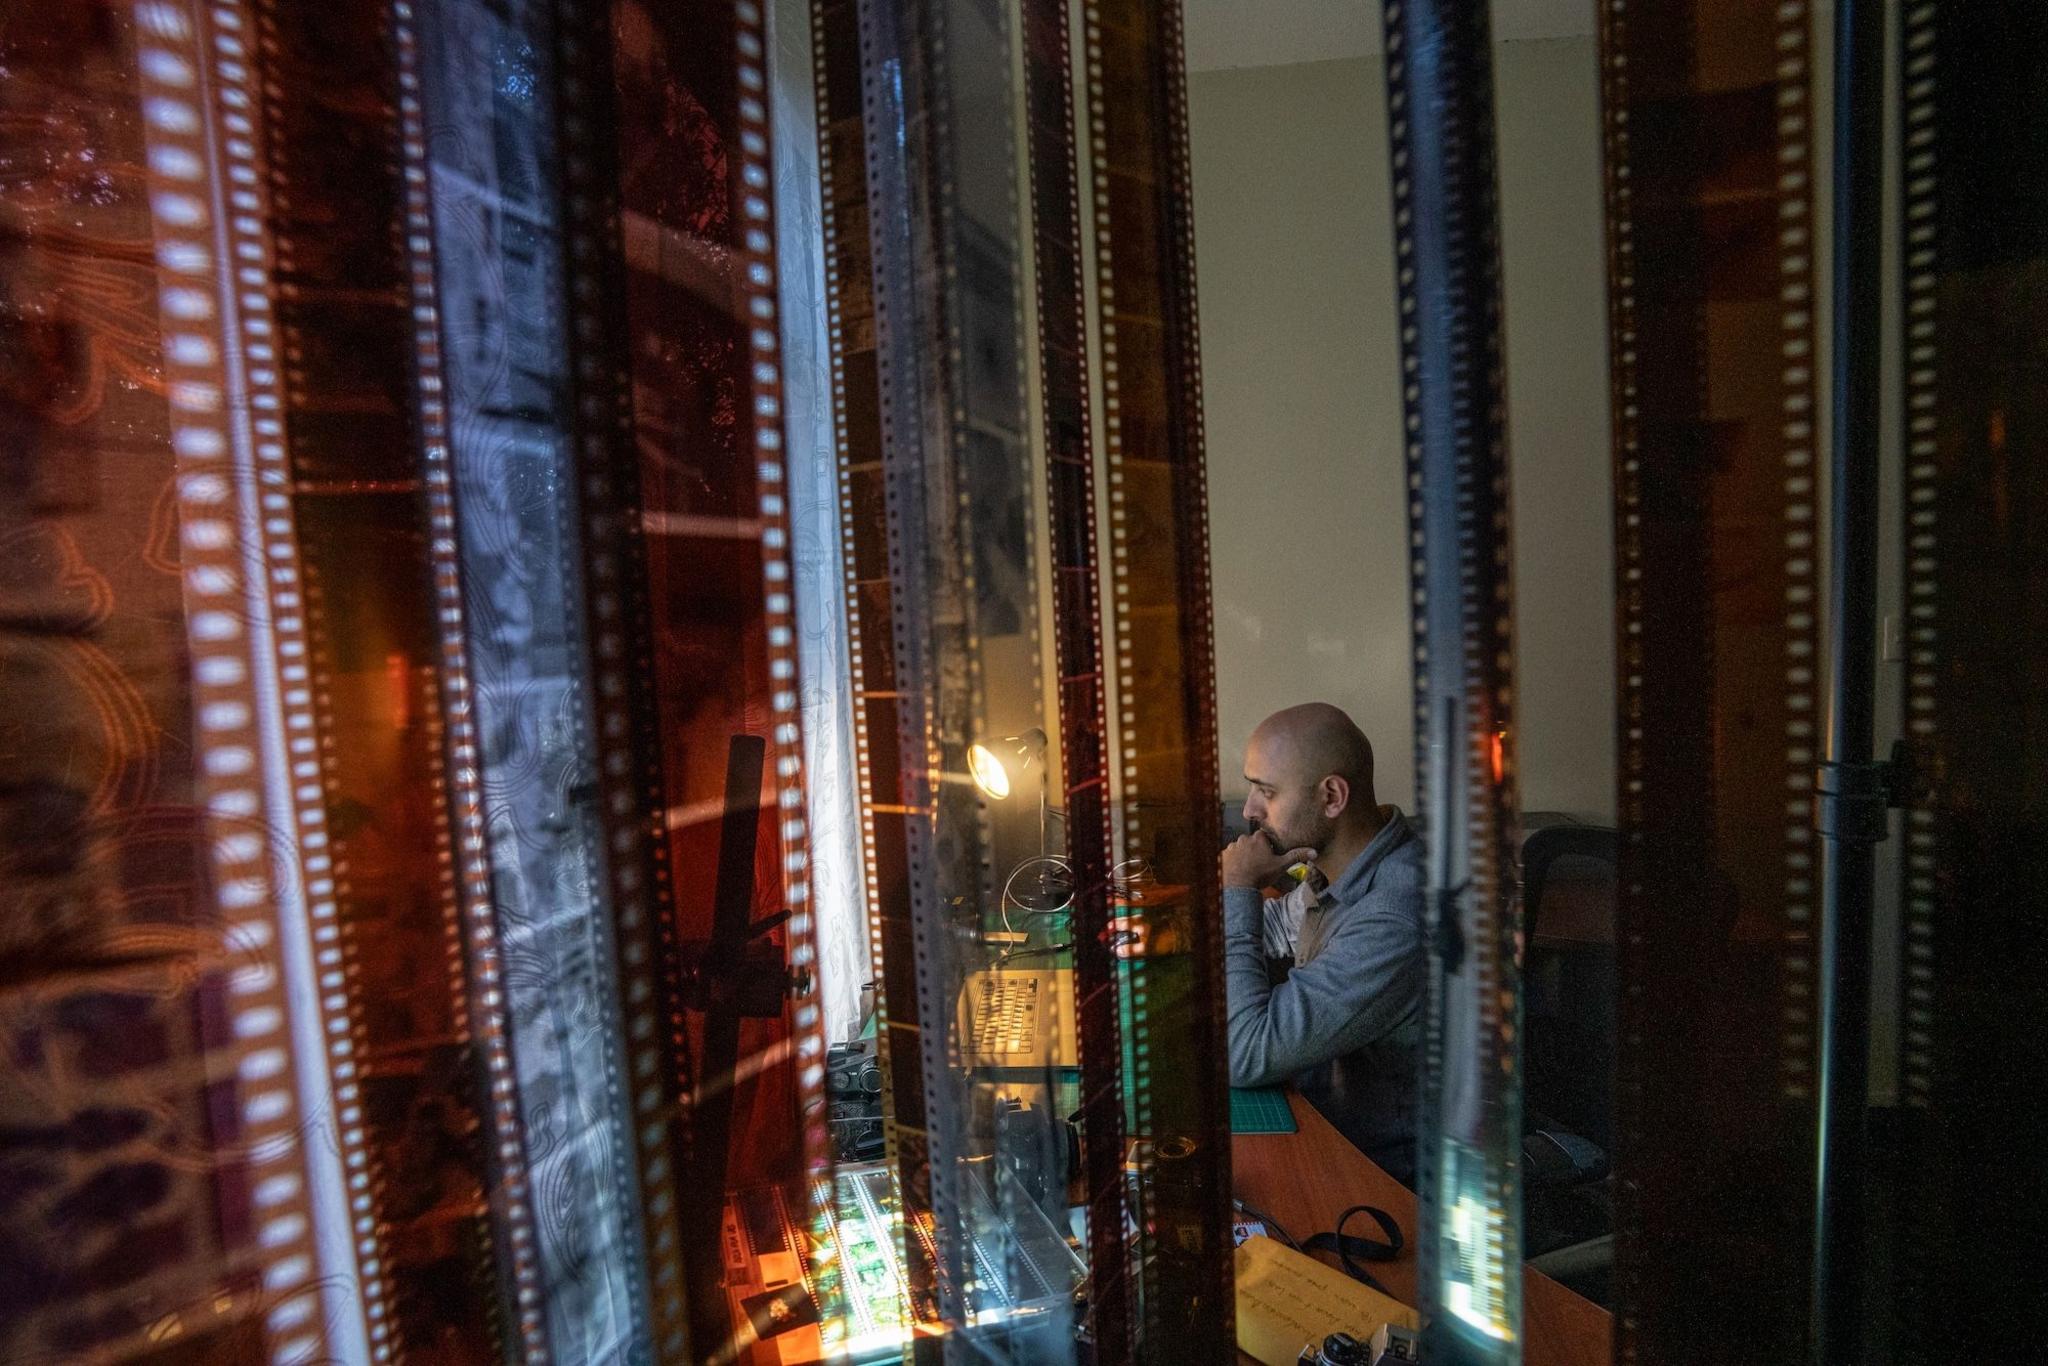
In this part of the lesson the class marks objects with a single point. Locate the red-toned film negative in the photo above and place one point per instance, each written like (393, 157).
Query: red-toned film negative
(150, 1013)
(626, 736)
(402, 917)
(699, 354)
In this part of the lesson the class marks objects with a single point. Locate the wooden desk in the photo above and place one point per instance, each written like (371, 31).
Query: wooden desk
(1306, 1179)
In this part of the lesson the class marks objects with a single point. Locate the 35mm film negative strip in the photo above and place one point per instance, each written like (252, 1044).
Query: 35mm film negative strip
(1446, 196)
(434, 1036)
(1973, 224)
(870, 592)
(696, 346)
(1711, 306)
(956, 469)
(409, 885)
(1163, 655)
(1067, 422)
(148, 1002)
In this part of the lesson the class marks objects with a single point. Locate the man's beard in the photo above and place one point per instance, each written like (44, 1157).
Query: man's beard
(1317, 836)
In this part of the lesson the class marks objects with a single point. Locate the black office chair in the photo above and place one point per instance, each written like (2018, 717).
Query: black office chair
(1568, 1040)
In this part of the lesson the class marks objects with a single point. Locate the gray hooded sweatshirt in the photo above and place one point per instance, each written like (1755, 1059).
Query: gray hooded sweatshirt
(1345, 1022)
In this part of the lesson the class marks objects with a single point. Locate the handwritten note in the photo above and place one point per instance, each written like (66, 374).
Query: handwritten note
(1286, 1299)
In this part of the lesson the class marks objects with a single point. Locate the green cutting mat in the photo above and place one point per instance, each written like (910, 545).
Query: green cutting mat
(1168, 995)
(1263, 1111)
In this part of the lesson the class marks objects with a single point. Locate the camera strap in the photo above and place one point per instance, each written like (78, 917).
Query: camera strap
(1352, 1249)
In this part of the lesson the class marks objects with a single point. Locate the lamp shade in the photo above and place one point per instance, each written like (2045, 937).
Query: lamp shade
(993, 767)
(988, 772)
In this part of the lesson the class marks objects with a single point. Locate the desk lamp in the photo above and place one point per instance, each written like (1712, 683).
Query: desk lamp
(991, 773)
(992, 768)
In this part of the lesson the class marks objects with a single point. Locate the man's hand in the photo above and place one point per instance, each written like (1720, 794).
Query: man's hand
(1249, 861)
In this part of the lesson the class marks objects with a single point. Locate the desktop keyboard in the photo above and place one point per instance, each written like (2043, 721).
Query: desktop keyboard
(1006, 1015)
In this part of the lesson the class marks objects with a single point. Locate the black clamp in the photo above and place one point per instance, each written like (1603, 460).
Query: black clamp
(1850, 800)
(1449, 932)
(748, 976)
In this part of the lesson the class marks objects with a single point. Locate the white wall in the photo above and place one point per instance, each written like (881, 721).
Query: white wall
(1555, 252)
(1294, 255)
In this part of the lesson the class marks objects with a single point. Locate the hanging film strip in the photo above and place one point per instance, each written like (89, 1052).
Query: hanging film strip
(1440, 122)
(1077, 629)
(939, 101)
(1167, 804)
(1710, 298)
(625, 717)
(486, 92)
(877, 694)
(428, 1125)
(152, 974)
(1974, 226)
(463, 845)
(222, 375)
(699, 361)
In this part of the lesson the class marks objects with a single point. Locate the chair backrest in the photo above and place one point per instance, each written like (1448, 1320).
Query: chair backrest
(1582, 855)
(1234, 823)
(1568, 887)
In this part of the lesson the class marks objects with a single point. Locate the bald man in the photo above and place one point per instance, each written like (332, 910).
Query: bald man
(1344, 1022)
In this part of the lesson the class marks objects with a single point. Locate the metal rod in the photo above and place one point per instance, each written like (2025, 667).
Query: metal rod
(1851, 798)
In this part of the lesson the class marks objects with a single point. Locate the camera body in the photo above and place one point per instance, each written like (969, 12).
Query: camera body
(853, 1093)
(1390, 1346)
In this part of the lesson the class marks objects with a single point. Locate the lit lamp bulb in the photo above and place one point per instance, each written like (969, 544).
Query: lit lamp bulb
(991, 773)
(990, 766)
(988, 772)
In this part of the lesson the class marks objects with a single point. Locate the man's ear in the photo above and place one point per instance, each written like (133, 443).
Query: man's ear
(1336, 795)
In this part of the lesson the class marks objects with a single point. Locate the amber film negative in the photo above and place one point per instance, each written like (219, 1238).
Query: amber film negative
(624, 715)
(1162, 661)
(414, 1044)
(700, 352)
(1710, 300)
(1060, 259)
(157, 1185)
